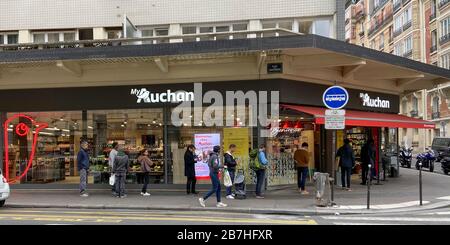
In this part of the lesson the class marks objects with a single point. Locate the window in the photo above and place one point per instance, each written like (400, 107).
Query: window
(305, 27)
(269, 25)
(12, 39)
(399, 49)
(222, 28)
(239, 27)
(433, 38)
(68, 37)
(147, 33)
(415, 103)
(408, 44)
(382, 41)
(189, 30)
(114, 34)
(445, 61)
(408, 15)
(39, 38)
(2, 40)
(285, 25)
(162, 32)
(445, 27)
(435, 104)
(398, 23)
(433, 7)
(206, 29)
(53, 37)
(322, 28)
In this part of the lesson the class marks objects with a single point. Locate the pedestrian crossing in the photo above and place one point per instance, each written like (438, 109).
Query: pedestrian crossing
(386, 220)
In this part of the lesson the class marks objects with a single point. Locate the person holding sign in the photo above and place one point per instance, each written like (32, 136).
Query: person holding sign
(230, 165)
(214, 167)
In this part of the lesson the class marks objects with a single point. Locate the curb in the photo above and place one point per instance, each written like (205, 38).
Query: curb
(311, 211)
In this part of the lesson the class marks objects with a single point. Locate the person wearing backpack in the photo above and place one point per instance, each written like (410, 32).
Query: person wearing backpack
(214, 167)
(260, 172)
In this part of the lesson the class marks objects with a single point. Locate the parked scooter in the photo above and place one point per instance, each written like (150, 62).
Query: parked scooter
(406, 157)
(427, 159)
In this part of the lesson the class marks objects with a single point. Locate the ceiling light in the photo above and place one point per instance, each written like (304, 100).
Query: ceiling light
(238, 119)
(125, 122)
(11, 126)
(90, 127)
(148, 125)
(122, 125)
(154, 121)
(160, 124)
(302, 118)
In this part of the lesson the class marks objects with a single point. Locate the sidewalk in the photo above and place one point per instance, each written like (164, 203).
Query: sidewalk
(395, 195)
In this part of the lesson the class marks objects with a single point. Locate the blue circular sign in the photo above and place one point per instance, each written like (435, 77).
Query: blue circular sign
(335, 97)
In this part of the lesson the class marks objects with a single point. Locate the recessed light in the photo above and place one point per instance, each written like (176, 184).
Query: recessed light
(125, 122)
(154, 121)
(160, 124)
(122, 125)
(302, 118)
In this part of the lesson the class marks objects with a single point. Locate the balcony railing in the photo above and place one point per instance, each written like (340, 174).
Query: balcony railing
(414, 113)
(435, 115)
(443, 3)
(433, 16)
(433, 48)
(361, 33)
(408, 54)
(379, 6)
(140, 41)
(407, 25)
(444, 39)
(397, 6)
(405, 2)
(378, 26)
(397, 32)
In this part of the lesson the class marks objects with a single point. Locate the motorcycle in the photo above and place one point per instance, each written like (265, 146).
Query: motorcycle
(406, 157)
(427, 159)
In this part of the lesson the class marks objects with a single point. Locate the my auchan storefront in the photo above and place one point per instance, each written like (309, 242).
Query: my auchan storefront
(93, 95)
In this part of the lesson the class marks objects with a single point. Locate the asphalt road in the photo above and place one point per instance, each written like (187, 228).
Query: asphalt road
(437, 167)
(9, 216)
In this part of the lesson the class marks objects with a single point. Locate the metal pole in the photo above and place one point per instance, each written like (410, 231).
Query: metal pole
(379, 155)
(369, 180)
(420, 182)
(333, 161)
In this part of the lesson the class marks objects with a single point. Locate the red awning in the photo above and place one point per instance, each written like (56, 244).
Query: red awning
(365, 119)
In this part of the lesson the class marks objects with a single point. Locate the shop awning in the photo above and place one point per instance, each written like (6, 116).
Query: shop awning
(365, 119)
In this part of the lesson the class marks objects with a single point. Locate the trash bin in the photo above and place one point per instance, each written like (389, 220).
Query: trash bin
(323, 189)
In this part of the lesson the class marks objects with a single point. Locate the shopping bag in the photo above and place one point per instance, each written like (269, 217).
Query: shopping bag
(227, 179)
(112, 179)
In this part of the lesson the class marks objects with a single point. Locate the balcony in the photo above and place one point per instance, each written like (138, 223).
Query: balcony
(432, 16)
(407, 25)
(414, 113)
(433, 49)
(443, 3)
(435, 115)
(408, 54)
(379, 6)
(405, 2)
(373, 29)
(397, 32)
(444, 39)
(397, 6)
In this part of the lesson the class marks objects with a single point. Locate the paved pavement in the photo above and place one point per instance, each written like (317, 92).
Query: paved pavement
(394, 195)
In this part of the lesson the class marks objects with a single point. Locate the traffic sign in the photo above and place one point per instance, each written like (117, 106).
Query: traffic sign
(334, 122)
(335, 97)
(334, 112)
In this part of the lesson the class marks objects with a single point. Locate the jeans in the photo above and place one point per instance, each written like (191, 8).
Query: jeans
(302, 173)
(83, 180)
(259, 180)
(215, 186)
(346, 172)
(120, 184)
(190, 184)
(232, 173)
(146, 181)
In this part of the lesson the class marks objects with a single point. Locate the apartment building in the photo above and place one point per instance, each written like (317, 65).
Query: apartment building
(65, 21)
(414, 29)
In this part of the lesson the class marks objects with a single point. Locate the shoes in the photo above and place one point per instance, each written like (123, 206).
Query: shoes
(259, 197)
(146, 194)
(362, 183)
(123, 196)
(202, 202)
(188, 192)
(233, 195)
(84, 195)
(195, 192)
(348, 189)
(230, 197)
(304, 193)
(221, 205)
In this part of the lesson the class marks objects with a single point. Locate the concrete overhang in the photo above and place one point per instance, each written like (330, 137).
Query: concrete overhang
(307, 58)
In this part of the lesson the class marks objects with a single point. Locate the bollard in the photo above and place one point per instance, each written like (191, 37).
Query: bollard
(369, 180)
(332, 190)
(420, 182)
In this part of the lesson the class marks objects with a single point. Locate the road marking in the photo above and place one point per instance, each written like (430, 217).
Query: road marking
(79, 218)
(408, 219)
(57, 219)
(344, 223)
(384, 206)
(444, 198)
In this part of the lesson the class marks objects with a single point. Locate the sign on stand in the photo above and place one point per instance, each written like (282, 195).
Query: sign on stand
(334, 119)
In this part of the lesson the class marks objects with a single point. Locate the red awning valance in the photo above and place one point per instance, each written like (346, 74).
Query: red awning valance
(365, 119)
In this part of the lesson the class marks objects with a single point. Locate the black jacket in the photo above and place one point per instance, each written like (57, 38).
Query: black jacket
(121, 165)
(229, 161)
(189, 164)
(368, 154)
(347, 156)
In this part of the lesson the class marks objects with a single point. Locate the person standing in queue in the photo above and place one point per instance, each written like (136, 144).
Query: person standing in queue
(367, 157)
(120, 169)
(189, 169)
(261, 172)
(214, 167)
(301, 158)
(112, 155)
(83, 167)
(346, 162)
(230, 164)
(146, 164)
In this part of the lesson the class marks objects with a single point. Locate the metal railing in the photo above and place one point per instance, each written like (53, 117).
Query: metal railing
(405, 2)
(435, 115)
(397, 6)
(432, 16)
(397, 32)
(414, 113)
(379, 6)
(443, 3)
(433, 48)
(378, 26)
(444, 39)
(408, 54)
(144, 40)
(407, 25)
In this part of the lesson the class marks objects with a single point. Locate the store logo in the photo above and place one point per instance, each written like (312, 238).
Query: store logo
(145, 96)
(376, 103)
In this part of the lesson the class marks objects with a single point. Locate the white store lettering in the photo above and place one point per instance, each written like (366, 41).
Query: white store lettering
(374, 102)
